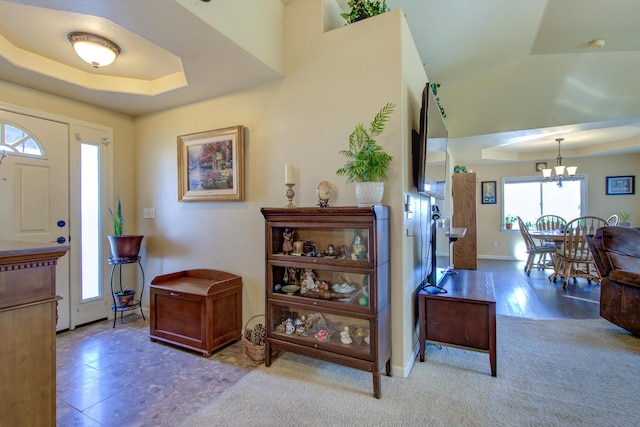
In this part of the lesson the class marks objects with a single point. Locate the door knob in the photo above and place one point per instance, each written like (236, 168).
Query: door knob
(61, 240)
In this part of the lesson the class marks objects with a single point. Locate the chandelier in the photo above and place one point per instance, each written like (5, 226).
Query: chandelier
(559, 172)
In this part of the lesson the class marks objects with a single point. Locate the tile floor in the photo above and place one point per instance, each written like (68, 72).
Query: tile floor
(117, 377)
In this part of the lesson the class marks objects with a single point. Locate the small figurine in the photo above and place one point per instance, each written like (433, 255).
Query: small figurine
(289, 327)
(322, 335)
(308, 283)
(359, 251)
(291, 276)
(345, 336)
(322, 285)
(331, 250)
(287, 245)
(300, 326)
(343, 252)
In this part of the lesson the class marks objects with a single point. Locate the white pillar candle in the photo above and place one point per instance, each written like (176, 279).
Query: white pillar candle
(289, 175)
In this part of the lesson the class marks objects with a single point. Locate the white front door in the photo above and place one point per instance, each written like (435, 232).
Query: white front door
(34, 190)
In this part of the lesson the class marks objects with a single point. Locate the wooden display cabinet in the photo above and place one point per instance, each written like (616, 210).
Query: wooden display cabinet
(196, 309)
(28, 314)
(328, 294)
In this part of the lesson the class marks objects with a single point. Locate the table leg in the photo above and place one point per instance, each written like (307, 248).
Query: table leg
(492, 340)
(423, 324)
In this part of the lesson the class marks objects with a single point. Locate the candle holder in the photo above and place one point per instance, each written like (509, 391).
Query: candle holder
(290, 195)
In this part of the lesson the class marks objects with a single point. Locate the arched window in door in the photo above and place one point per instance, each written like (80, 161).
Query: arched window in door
(18, 141)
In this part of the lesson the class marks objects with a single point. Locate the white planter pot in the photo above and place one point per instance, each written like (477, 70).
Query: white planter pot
(369, 193)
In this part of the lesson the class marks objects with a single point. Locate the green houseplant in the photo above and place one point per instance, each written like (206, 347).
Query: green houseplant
(363, 9)
(123, 247)
(509, 220)
(625, 219)
(367, 162)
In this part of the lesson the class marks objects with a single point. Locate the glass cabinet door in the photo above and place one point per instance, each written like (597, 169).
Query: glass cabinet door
(320, 283)
(321, 330)
(321, 243)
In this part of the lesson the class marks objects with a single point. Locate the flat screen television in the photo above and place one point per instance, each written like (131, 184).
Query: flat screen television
(430, 148)
(430, 166)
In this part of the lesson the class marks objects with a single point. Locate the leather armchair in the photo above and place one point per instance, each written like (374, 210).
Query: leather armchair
(616, 252)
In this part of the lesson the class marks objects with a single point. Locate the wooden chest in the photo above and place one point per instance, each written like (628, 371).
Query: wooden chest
(197, 309)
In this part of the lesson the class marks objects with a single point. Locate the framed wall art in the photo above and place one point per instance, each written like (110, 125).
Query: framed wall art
(621, 185)
(488, 192)
(211, 165)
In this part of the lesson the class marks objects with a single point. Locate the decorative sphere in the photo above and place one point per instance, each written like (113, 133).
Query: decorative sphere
(363, 301)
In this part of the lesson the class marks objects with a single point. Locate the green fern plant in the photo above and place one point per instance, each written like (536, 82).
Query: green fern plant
(367, 161)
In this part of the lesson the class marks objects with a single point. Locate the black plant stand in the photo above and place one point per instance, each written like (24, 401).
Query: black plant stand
(136, 302)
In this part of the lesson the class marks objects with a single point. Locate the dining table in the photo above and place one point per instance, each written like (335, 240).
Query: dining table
(555, 236)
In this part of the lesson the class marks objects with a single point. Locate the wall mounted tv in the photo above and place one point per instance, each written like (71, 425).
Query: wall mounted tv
(430, 148)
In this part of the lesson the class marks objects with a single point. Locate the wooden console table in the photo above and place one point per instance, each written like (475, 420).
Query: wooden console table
(464, 316)
(28, 308)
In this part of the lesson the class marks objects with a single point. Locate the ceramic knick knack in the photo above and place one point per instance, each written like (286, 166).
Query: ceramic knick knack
(358, 248)
(345, 336)
(289, 327)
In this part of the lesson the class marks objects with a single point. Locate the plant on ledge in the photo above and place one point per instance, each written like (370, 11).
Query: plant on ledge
(368, 163)
(509, 220)
(363, 9)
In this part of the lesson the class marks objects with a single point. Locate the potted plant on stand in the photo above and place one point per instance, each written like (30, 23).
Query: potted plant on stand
(124, 249)
(123, 246)
(368, 163)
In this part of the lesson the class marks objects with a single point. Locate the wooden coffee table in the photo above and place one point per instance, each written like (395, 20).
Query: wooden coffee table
(463, 317)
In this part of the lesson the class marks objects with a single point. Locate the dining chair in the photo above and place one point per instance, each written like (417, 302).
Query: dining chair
(549, 222)
(574, 257)
(613, 220)
(533, 249)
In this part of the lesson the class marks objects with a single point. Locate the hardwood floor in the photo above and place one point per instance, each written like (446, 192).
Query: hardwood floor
(536, 297)
(117, 377)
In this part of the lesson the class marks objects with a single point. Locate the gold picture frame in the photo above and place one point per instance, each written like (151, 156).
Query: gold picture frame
(211, 165)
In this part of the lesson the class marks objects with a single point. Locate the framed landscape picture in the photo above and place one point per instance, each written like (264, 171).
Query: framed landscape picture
(621, 185)
(211, 165)
(488, 192)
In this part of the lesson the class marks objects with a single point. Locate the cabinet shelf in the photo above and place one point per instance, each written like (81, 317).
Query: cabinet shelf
(327, 286)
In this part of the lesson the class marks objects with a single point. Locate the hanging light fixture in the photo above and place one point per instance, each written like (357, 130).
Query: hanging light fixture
(93, 49)
(559, 172)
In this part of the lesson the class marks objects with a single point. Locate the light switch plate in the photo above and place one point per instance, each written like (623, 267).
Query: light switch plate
(149, 213)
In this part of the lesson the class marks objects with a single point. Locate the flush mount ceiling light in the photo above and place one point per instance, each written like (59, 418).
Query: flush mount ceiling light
(93, 49)
(561, 172)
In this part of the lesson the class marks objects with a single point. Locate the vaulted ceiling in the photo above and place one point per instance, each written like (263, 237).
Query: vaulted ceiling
(514, 75)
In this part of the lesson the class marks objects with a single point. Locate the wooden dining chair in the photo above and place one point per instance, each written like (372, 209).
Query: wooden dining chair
(549, 222)
(533, 249)
(574, 258)
(613, 220)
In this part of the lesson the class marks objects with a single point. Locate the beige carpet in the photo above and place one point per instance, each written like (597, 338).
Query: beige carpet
(550, 373)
